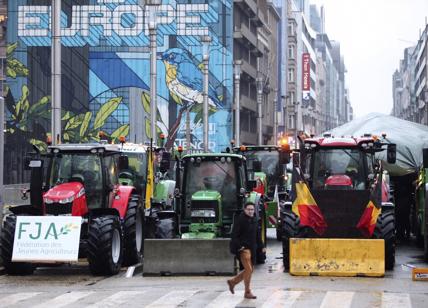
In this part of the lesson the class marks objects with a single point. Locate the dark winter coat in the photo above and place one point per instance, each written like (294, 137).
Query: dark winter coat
(245, 234)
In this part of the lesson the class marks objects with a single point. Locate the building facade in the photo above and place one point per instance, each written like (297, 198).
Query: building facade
(410, 83)
(106, 73)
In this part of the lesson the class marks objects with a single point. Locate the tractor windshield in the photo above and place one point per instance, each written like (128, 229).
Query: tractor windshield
(270, 166)
(336, 167)
(213, 175)
(136, 171)
(82, 168)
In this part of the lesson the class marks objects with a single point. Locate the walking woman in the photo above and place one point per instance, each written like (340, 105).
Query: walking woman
(244, 245)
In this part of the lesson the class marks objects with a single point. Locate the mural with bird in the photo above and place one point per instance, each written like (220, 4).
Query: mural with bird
(184, 80)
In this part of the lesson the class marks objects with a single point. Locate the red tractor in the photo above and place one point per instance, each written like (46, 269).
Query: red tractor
(344, 193)
(82, 180)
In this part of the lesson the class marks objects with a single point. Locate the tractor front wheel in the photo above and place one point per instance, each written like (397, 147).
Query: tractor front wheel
(7, 238)
(290, 228)
(105, 246)
(385, 229)
(134, 232)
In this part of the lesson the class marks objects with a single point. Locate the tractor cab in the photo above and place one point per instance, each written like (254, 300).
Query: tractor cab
(268, 164)
(80, 171)
(133, 168)
(213, 191)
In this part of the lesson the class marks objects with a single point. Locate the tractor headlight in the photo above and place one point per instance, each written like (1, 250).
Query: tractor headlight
(202, 213)
(67, 200)
(47, 200)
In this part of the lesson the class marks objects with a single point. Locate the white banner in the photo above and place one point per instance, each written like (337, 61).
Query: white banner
(47, 238)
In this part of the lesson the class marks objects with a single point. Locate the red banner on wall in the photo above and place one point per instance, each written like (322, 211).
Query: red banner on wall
(306, 84)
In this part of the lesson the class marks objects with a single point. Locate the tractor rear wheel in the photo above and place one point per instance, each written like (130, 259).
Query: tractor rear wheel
(290, 228)
(385, 229)
(7, 239)
(133, 228)
(105, 245)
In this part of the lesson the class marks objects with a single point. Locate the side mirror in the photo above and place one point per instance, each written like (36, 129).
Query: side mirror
(257, 166)
(123, 162)
(296, 159)
(165, 162)
(35, 163)
(391, 154)
(284, 157)
(425, 157)
(251, 184)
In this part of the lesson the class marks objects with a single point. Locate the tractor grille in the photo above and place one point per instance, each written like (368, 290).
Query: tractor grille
(58, 209)
(342, 210)
(205, 205)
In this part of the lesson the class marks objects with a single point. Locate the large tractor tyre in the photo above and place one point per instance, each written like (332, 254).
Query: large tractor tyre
(7, 238)
(290, 229)
(385, 229)
(278, 233)
(105, 246)
(165, 228)
(262, 232)
(133, 228)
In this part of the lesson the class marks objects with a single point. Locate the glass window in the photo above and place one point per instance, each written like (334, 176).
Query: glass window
(216, 176)
(111, 170)
(331, 163)
(83, 168)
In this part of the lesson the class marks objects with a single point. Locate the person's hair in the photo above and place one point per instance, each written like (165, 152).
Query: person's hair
(249, 203)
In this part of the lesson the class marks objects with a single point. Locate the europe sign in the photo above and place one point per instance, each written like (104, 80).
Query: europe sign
(46, 238)
(121, 25)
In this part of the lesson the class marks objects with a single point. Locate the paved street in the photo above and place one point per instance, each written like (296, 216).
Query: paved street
(75, 287)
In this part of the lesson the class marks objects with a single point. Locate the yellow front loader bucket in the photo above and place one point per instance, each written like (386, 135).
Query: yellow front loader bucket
(337, 257)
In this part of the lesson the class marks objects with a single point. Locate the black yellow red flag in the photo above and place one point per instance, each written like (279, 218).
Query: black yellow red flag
(372, 211)
(304, 204)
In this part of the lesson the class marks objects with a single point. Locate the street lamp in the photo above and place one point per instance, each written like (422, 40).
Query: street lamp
(296, 104)
(259, 110)
(206, 40)
(56, 72)
(237, 79)
(275, 120)
(152, 7)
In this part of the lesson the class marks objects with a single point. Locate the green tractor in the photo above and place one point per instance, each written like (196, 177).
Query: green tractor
(420, 221)
(149, 175)
(210, 192)
(267, 165)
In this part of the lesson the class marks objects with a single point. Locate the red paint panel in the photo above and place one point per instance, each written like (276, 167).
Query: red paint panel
(120, 201)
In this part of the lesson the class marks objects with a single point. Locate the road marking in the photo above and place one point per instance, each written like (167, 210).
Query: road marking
(282, 299)
(396, 300)
(116, 299)
(337, 299)
(172, 299)
(64, 299)
(15, 298)
(227, 299)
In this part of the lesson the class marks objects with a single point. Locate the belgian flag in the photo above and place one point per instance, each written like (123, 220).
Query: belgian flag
(368, 220)
(305, 206)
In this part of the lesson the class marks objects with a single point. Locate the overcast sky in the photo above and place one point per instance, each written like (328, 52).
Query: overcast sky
(373, 35)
